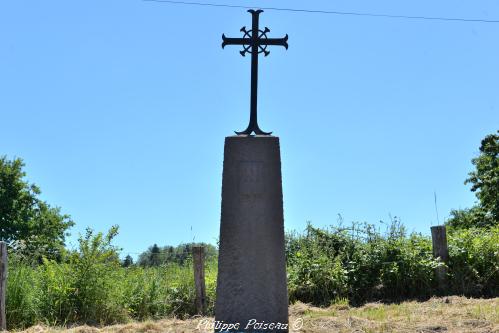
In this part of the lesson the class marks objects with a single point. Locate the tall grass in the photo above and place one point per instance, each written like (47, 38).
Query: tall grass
(90, 287)
(325, 266)
(60, 294)
(22, 295)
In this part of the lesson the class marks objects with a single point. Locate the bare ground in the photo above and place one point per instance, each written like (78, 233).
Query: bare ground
(448, 315)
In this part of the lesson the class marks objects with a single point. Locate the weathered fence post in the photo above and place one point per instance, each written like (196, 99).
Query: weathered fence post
(198, 258)
(3, 285)
(440, 250)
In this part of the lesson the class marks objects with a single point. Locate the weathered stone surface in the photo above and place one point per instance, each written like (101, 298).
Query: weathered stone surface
(251, 269)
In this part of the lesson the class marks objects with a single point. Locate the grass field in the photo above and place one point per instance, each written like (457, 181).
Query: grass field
(448, 314)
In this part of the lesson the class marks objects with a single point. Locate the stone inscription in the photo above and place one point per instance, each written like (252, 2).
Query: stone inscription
(251, 179)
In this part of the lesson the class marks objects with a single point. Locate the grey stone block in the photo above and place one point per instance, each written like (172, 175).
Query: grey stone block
(252, 285)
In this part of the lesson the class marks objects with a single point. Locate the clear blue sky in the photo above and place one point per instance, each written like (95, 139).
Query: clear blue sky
(120, 108)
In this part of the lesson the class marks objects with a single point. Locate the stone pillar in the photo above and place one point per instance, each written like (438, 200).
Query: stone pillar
(252, 286)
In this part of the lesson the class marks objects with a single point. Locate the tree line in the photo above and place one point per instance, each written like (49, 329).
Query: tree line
(156, 256)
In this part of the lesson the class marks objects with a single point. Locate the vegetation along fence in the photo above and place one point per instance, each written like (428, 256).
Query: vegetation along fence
(90, 285)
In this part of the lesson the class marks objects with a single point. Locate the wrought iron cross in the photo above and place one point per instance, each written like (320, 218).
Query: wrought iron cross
(254, 41)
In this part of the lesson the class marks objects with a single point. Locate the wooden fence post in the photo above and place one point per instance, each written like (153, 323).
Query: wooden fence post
(3, 285)
(440, 250)
(198, 258)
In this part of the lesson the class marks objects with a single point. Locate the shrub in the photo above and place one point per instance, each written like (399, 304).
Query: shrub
(325, 266)
(474, 261)
(359, 263)
(90, 287)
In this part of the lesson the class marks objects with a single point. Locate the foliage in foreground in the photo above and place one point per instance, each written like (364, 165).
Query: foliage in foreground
(91, 287)
(362, 264)
(350, 265)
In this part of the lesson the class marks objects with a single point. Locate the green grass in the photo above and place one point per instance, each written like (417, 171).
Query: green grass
(57, 294)
(325, 267)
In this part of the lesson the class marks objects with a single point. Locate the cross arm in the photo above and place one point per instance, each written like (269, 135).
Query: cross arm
(235, 41)
(275, 41)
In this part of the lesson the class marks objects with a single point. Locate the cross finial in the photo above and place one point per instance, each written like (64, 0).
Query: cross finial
(254, 42)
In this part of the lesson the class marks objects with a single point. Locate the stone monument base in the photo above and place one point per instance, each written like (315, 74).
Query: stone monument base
(252, 291)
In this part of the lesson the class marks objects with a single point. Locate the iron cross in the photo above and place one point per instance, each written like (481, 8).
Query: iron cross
(254, 42)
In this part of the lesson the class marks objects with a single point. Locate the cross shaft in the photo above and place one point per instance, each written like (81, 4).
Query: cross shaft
(254, 41)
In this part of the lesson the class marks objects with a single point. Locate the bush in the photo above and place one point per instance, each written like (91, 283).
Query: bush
(325, 266)
(474, 261)
(316, 279)
(363, 264)
(91, 287)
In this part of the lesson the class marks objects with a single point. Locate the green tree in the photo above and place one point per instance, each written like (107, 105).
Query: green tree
(485, 179)
(475, 216)
(128, 261)
(484, 182)
(154, 258)
(29, 224)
